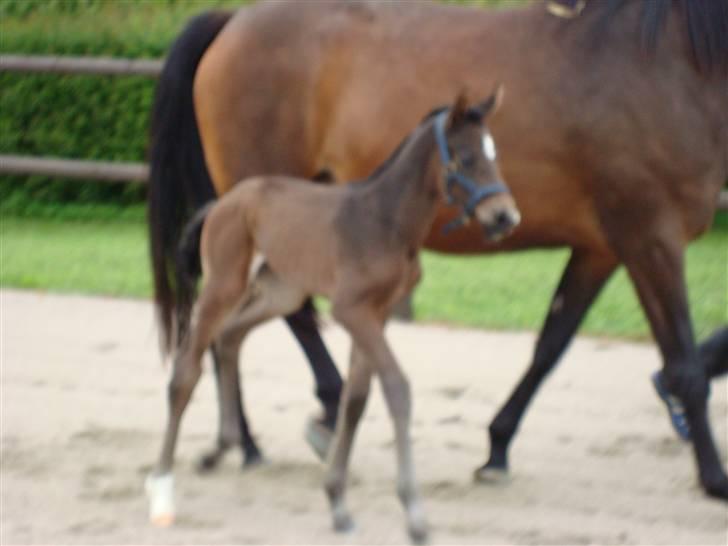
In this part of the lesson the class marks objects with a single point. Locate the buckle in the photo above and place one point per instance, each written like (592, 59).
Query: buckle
(557, 8)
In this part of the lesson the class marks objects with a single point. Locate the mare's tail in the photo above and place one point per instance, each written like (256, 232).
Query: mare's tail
(179, 182)
(188, 270)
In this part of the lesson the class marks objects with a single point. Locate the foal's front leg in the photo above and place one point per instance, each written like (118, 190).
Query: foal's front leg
(368, 334)
(353, 402)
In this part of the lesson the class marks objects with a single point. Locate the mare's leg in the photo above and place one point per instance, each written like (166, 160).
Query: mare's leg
(580, 283)
(216, 301)
(657, 269)
(328, 380)
(367, 331)
(714, 353)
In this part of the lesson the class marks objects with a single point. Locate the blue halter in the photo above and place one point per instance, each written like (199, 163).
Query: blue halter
(476, 192)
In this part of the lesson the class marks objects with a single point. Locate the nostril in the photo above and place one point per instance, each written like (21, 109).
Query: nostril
(503, 219)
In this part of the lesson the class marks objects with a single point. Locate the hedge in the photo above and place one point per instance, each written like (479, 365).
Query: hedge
(83, 117)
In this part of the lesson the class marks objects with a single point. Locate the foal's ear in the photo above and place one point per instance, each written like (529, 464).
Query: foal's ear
(491, 104)
(459, 109)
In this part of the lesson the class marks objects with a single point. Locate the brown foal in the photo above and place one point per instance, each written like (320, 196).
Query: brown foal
(358, 246)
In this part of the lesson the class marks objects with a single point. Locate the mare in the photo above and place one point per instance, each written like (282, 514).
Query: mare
(357, 245)
(614, 142)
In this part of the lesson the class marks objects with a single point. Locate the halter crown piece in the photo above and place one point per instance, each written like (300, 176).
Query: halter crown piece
(476, 192)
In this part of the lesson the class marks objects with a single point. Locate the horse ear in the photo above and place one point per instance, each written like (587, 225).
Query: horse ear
(459, 108)
(492, 103)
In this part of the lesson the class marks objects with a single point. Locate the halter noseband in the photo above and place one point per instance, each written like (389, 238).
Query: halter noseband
(476, 192)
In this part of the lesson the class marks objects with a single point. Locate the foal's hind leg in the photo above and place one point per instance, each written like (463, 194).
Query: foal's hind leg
(657, 270)
(268, 298)
(319, 432)
(216, 301)
(234, 429)
(582, 280)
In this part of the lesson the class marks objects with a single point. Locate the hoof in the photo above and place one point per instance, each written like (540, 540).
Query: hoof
(718, 490)
(491, 475)
(343, 523)
(319, 437)
(674, 407)
(209, 462)
(253, 460)
(418, 535)
(160, 491)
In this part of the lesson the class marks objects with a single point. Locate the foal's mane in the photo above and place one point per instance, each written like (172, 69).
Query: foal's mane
(705, 22)
(398, 150)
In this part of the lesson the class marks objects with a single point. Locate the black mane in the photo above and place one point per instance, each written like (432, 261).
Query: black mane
(393, 156)
(705, 22)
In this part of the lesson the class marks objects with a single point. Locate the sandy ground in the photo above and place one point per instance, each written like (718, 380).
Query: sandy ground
(83, 408)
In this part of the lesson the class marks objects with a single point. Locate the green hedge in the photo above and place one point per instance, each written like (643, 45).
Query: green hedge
(81, 116)
(84, 117)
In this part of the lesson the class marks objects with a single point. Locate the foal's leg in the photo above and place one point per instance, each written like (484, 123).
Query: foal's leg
(328, 380)
(657, 270)
(217, 300)
(234, 429)
(268, 298)
(328, 387)
(581, 281)
(353, 403)
(367, 332)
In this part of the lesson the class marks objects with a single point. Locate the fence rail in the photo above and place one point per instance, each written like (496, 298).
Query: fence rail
(107, 171)
(81, 65)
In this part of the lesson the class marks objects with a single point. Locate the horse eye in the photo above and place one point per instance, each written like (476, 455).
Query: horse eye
(467, 161)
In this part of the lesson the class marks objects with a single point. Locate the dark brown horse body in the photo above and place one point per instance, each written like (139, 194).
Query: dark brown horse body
(614, 140)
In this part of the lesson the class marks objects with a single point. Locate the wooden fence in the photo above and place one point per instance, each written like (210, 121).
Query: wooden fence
(96, 170)
(106, 171)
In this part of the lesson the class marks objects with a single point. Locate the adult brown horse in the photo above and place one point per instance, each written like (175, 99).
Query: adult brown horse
(614, 141)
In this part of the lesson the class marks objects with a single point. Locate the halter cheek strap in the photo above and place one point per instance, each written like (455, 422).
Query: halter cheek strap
(476, 192)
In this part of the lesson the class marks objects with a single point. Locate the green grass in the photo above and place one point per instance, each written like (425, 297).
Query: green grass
(102, 249)
(508, 291)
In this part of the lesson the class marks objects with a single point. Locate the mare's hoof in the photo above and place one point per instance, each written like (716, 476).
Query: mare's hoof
(253, 460)
(319, 437)
(674, 407)
(492, 475)
(209, 462)
(718, 489)
(160, 491)
(343, 523)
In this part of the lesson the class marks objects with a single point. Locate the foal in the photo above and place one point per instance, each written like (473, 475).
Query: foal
(357, 245)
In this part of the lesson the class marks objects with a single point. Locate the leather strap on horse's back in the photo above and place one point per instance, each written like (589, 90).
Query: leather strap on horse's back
(566, 9)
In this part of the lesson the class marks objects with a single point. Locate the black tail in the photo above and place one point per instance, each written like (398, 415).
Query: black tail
(179, 182)
(188, 271)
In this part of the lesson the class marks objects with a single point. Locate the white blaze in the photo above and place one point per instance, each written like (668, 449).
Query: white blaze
(489, 147)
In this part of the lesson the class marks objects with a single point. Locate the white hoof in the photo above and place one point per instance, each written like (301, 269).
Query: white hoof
(160, 490)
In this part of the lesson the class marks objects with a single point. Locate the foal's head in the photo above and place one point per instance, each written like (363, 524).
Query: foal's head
(470, 175)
